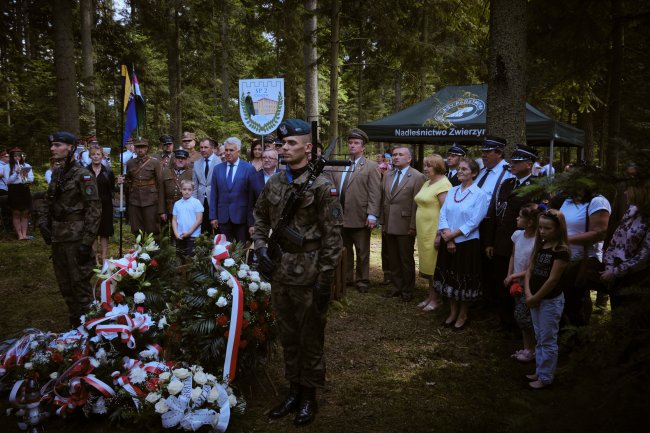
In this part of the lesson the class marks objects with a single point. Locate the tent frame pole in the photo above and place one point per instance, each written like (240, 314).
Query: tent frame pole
(550, 157)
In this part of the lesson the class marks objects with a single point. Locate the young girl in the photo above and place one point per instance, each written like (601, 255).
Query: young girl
(523, 242)
(20, 197)
(544, 295)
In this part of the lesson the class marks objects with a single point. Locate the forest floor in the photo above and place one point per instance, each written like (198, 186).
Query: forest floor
(391, 368)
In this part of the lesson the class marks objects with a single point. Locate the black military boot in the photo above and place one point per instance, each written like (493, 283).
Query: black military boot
(289, 405)
(308, 407)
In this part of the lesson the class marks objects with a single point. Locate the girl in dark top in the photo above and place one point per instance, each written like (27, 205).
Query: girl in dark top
(544, 295)
(105, 189)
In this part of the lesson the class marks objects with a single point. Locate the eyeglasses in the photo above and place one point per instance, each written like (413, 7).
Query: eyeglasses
(269, 158)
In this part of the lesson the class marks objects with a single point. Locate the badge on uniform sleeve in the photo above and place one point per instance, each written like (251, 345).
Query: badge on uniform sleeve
(333, 192)
(89, 188)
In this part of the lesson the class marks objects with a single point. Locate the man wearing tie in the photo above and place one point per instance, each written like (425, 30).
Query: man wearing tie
(456, 152)
(359, 189)
(202, 177)
(399, 188)
(231, 194)
(269, 168)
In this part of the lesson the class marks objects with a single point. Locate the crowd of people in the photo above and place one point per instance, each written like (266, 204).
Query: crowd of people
(483, 236)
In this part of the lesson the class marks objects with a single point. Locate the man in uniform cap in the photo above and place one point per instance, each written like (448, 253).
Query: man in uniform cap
(146, 191)
(359, 191)
(455, 153)
(69, 221)
(501, 223)
(166, 155)
(172, 180)
(188, 141)
(304, 274)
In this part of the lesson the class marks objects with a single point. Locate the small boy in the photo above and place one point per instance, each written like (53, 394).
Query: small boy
(186, 220)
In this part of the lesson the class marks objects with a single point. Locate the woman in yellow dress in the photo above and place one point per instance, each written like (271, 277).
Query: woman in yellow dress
(429, 200)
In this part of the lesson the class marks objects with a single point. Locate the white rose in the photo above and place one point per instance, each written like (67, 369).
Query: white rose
(138, 375)
(28, 366)
(221, 302)
(242, 274)
(224, 275)
(213, 395)
(212, 292)
(255, 276)
(181, 373)
(228, 262)
(146, 354)
(211, 378)
(174, 387)
(253, 287)
(244, 267)
(200, 378)
(164, 376)
(161, 407)
(196, 393)
(145, 257)
(152, 397)
(266, 287)
(162, 322)
(139, 297)
(232, 400)
(54, 375)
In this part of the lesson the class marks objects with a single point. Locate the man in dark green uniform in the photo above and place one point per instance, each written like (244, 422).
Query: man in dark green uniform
(304, 274)
(69, 221)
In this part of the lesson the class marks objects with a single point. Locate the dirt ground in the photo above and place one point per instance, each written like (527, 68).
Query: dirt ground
(391, 368)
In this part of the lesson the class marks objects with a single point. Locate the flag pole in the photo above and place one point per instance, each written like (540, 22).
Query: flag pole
(122, 162)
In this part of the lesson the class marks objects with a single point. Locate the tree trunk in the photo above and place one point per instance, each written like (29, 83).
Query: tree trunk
(225, 71)
(334, 72)
(174, 70)
(614, 99)
(88, 72)
(310, 61)
(586, 123)
(398, 91)
(66, 77)
(506, 105)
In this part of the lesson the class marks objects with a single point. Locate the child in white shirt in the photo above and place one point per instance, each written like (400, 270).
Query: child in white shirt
(186, 220)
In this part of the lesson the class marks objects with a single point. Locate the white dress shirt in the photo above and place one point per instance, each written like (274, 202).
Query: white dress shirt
(490, 184)
(464, 210)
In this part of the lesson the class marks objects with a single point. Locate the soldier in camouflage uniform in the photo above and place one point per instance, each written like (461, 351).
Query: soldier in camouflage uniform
(304, 274)
(146, 191)
(69, 220)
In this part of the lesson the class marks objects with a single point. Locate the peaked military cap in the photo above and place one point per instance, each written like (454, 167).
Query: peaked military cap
(524, 153)
(291, 127)
(188, 136)
(492, 142)
(62, 137)
(141, 142)
(181, 153)
(457, 149)
(359, 134)
(166, 139)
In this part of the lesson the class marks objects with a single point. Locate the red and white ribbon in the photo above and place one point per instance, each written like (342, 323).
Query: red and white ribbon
(108, 286)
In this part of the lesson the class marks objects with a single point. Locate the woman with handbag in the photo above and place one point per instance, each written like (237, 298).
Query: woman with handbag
(587, 217)
(627, 259)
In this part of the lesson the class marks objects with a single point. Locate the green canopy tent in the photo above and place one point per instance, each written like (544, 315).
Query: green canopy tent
(458, 114)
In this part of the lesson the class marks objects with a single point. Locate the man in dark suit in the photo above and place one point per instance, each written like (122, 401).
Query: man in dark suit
(399, 188)
(231, 194)
(359, 190)
(202, 177)
(455, 153)
(269, 168)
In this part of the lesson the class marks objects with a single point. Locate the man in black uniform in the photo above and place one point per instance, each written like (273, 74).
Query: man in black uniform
(502, 224)
(455, 153)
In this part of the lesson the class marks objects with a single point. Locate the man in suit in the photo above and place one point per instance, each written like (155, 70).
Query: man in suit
(269, 168)
(231, 194)
(359, 190)
(455, 153)
(202, 178)
(399, 188)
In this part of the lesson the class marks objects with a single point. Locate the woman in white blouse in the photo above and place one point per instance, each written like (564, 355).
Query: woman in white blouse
(20, 197)
(458, 270)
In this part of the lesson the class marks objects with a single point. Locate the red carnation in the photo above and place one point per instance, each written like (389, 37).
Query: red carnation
(243, 344)
(140, 310)
(516, 289)
(154, 263)
(76, 355)
(253, 305)
(152, 384)
(222, 320)
(56, 357)
(131, 251)
(118, 297)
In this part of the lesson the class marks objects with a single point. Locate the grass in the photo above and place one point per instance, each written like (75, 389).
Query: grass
(391, 368)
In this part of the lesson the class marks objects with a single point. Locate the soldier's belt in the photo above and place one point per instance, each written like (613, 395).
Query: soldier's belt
(307, 247)
(69, 217)
(142, 183)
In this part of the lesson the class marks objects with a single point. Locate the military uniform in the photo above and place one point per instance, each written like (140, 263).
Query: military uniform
(319, 220)
(172, 186)
(146, 194)
(71, 212)
(166, 159)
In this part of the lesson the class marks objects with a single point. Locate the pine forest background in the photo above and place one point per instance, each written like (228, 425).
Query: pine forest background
(348, 62)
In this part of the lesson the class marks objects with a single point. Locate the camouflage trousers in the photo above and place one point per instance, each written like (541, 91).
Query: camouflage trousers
(301, 329)
(73, 279)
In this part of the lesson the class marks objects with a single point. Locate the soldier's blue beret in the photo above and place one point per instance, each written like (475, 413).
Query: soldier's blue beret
(524, 153)
(62, 137)
(181, 153)
(291, 127)
(492, 142)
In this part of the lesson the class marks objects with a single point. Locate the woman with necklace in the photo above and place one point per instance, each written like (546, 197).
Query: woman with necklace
(105, 189)
(458, 270)
(429, 200)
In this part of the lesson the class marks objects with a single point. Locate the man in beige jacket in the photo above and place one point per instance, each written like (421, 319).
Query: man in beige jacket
(399, 188)
(359, 190)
